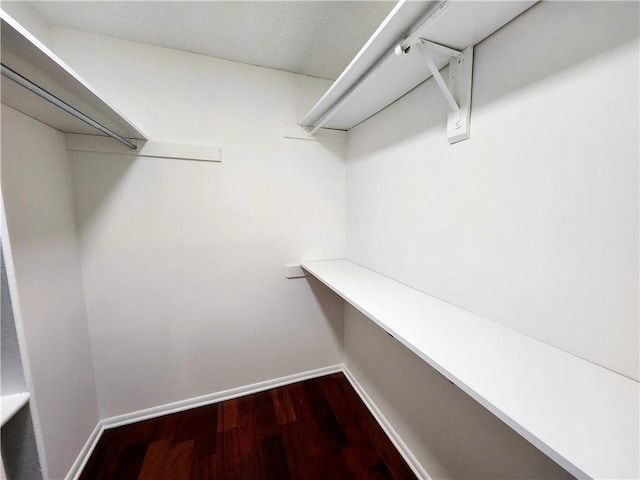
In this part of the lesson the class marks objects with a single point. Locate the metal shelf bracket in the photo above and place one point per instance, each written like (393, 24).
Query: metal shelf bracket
(457, 92)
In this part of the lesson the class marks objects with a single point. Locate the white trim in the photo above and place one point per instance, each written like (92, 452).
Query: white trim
(85, 453)
(22, 343)
(324, 135)
(174, 407)
(146, 148)
(294, 271)
(402, 447)
(203, 400)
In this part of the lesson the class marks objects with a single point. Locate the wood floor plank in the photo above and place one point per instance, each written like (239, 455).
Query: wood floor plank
(282, 405)
(246, 425)
(200, 425)
(204, 434)
(353, 417)
(354, 464)
(178, 466)
(307, 459)
(227, 458)
(266, 423)
(248, 439)
(325, 416)
(316, 444)
(155, 460)
(203, 467)
(381, 472)
(318, 429)
(228, 415)
(131, 459)
(204, 438)
(274, 458)
(165, 427)
(316, 455)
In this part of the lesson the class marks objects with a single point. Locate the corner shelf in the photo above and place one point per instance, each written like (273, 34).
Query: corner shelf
(26, 55)
(11, 404)
(583, 416)
(376, 78)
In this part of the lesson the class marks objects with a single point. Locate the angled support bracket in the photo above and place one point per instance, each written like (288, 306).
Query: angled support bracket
(457, 92)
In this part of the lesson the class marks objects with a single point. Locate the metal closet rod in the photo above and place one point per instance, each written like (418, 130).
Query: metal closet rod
(41, 92)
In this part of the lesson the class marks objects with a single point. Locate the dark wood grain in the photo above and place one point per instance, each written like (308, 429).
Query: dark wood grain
(130, 462)
(155, 460)
(179, 460)
(282, 405)
(274, 458)
(313, 430)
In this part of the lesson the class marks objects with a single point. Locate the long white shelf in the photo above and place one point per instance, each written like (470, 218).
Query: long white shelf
(11, 404)
(583, 416)
(27, 56)
(454, 24)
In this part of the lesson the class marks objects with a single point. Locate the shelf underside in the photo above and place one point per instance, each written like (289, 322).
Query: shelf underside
(24, 54)
(460, 25)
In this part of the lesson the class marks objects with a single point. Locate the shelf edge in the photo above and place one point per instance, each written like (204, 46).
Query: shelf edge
(11, 404)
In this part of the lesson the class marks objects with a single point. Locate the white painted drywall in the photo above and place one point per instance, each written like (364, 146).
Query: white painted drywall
(36, 189)
(12, 379)
(450, 434)
(19, 454)
(183, 261)
(533, 222)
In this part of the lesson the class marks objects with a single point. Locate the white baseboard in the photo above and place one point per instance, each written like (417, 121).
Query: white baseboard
(85, 453)
(203, 400)
(408, 456)
(181, 405)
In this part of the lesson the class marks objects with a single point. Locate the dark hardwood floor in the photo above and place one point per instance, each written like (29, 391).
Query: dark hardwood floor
(316, 429)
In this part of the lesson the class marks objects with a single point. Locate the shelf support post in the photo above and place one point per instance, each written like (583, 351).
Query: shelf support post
(437, 47)
(457, 92)
(444, 88)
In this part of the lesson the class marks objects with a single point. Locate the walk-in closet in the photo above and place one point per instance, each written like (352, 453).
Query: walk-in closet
(320, 240)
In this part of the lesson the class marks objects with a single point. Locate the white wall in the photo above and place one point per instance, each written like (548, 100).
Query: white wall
(36, 190)
(183, 262)
(12, 378)
(450, 434)
(19, 454)
(533, 222)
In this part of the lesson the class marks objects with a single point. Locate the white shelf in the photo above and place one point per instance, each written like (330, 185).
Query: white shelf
(583, 416)
(457, 25)
(26, 55)
(11, 404)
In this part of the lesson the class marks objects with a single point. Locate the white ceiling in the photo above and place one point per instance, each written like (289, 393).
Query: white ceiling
(317, 38)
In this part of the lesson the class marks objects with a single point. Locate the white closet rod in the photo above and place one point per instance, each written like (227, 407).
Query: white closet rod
(404, 46)
(41, 92)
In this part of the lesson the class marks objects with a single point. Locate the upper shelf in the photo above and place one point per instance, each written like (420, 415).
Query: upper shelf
(26, 55)
(451, 23)
(582, 415)
(11, 404)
